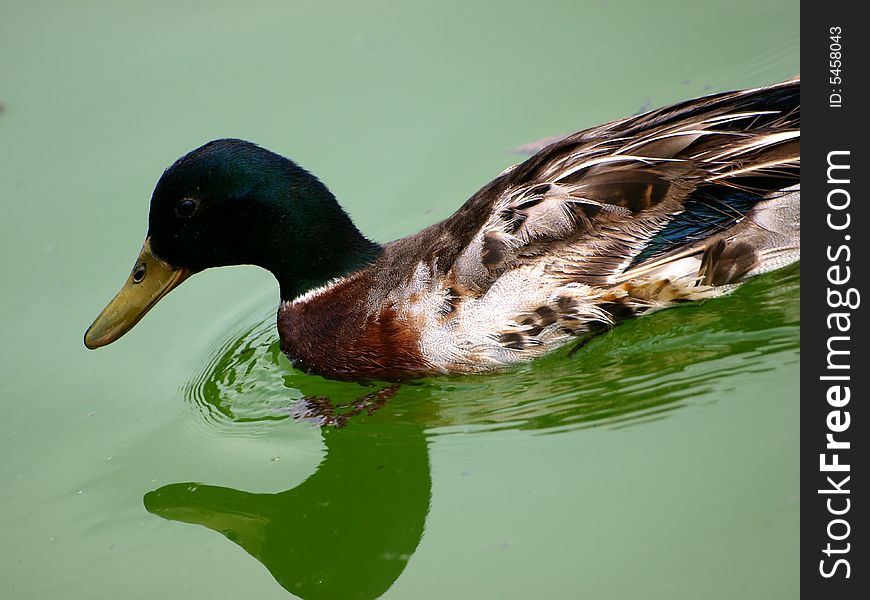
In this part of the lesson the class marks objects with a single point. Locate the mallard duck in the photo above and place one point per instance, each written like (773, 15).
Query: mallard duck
(673, 205)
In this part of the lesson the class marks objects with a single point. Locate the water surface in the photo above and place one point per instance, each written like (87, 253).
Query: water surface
(658, 461)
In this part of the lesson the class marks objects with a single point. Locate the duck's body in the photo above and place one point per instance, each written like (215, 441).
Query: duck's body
(677, 204)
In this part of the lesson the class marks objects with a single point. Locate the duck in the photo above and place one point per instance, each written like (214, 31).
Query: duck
(674, 205)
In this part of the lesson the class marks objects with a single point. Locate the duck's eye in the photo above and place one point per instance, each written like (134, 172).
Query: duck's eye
(186, 207)
(139, 273)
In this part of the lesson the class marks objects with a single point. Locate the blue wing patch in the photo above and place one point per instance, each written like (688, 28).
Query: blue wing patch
(705, 213)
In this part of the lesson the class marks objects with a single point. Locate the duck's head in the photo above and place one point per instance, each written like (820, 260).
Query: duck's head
(231, 202)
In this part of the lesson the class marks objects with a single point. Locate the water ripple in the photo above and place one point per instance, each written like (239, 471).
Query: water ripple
(640, 371)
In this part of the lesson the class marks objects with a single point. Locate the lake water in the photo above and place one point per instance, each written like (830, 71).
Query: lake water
(659, 461)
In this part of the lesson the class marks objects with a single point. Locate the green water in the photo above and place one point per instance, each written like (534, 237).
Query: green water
(660, 461)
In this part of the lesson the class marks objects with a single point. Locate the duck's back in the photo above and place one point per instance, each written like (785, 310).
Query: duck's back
(678, 204)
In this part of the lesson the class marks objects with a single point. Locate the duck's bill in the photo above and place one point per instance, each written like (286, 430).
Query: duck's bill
(150, 280)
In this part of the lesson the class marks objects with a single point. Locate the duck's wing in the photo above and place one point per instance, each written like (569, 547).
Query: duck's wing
(613, 202)
(676, 204)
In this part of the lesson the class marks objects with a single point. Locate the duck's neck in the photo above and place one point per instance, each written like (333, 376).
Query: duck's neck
(313, 240)
(334, 255)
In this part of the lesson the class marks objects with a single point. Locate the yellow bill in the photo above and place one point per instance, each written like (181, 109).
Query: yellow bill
(150, 280)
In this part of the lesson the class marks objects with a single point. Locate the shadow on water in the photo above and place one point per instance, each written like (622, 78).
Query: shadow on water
(349, 530)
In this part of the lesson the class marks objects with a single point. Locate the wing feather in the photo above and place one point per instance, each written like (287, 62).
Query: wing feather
(604, 200)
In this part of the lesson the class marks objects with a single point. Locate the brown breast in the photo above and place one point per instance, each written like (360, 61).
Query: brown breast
(341, 333)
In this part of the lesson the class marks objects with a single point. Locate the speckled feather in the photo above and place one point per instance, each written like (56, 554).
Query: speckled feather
(677, 204)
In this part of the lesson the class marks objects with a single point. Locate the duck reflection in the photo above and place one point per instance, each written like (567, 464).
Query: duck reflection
(346, 532)
(349, 530)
